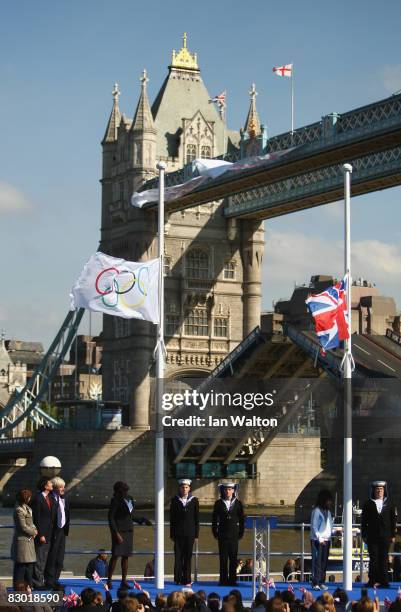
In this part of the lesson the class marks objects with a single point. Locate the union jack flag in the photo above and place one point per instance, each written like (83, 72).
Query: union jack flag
(220, 99)
(96, 577)
(290, 588)
(329, 311)
(137, 585)
(72, 600)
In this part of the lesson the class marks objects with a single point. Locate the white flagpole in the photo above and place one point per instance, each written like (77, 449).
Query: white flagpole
(159, 452)
(292, 97)
(347, 504)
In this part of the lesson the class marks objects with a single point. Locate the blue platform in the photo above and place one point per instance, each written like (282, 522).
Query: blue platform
(245, 587)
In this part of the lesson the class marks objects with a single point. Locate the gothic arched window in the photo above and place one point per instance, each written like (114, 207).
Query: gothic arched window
(191, 152)
(197, 264)
(196, 322)
(206, 152)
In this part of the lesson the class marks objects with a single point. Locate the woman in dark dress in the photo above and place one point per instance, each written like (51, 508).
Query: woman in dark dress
(121, 519)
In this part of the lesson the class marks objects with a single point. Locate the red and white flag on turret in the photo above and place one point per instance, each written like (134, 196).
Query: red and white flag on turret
(285, 70)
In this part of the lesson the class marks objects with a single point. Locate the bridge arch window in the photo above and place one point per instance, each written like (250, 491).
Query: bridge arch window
(191, 153)
(197, 264)
(196, 322)
(172, 324)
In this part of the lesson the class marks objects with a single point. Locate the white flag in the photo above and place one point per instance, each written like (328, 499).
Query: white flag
(118, 287)
(285, 70)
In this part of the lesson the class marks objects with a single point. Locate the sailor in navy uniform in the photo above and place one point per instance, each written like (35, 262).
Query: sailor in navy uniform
(184, 529)
(379, 526)
(228, 528)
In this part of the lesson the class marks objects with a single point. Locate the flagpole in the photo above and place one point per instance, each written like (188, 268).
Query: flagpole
(347, 503)
(292, 97)
(159, 451)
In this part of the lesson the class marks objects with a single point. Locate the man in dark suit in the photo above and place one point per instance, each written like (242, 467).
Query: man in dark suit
(184, 529)
(55, 559)
(379, 526)
(44, 515)
(228, 525)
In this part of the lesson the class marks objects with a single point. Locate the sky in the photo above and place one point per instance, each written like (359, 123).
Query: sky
(58, 64)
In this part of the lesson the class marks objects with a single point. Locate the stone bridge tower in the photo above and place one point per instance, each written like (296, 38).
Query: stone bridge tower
(212, 266)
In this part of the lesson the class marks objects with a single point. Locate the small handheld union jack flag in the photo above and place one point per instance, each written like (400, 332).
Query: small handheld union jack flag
(96, 577)
(137, 585)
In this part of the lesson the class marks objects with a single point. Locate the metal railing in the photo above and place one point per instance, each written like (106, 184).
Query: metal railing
(301, 554)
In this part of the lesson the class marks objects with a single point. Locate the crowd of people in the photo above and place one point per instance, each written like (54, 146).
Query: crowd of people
(187, 600)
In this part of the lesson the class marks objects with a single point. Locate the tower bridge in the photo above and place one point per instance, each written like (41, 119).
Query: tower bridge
(213, 277)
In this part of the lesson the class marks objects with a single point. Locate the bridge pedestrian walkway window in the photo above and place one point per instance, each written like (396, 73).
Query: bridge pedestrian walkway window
(206, 152)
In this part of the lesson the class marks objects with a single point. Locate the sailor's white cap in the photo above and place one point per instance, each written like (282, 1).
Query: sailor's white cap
(229, 483)
(379, 483)
(185, 481)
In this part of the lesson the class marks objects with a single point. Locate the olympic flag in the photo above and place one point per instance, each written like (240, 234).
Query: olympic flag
(117, 287)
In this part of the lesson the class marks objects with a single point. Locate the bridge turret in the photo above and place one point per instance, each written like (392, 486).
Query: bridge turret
(254, 134)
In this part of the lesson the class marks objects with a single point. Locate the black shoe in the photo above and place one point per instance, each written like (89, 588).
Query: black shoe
(124, 585)
(384, 585)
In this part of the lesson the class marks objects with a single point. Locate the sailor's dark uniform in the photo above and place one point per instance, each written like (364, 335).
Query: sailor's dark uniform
(228, 527)
(184, 528)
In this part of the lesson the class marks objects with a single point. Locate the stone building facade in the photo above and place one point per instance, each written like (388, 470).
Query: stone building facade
(212, 266)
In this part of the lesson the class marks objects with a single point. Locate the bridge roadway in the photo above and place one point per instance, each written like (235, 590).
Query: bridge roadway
(309, 174)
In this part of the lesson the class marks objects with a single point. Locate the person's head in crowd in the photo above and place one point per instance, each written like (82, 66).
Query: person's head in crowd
(45, 484)
(160, 601)
(176, 600)
(130, 604)
(288, 597)
(88, 597)
(98, 601)
(143, 598)
(228, 607)
(395, 606)
(122, 593)
(275, 604)
(3, 591)
(213, 601)
(238, 596)
(23, 496)
(194, 603)
(327, 600)
(365, 604)
(120, 489)
(202, 594)
(317, 606)
(22, 586)
(341, 596)
(260, 600)
(307, 599)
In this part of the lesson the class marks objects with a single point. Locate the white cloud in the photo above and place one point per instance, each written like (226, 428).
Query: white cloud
(391, 76)
(294, 257)
(12, 199)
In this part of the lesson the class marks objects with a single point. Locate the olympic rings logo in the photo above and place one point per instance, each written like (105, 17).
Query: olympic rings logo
(122, 287)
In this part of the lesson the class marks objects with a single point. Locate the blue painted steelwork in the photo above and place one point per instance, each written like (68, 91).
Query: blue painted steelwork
(26, 403)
